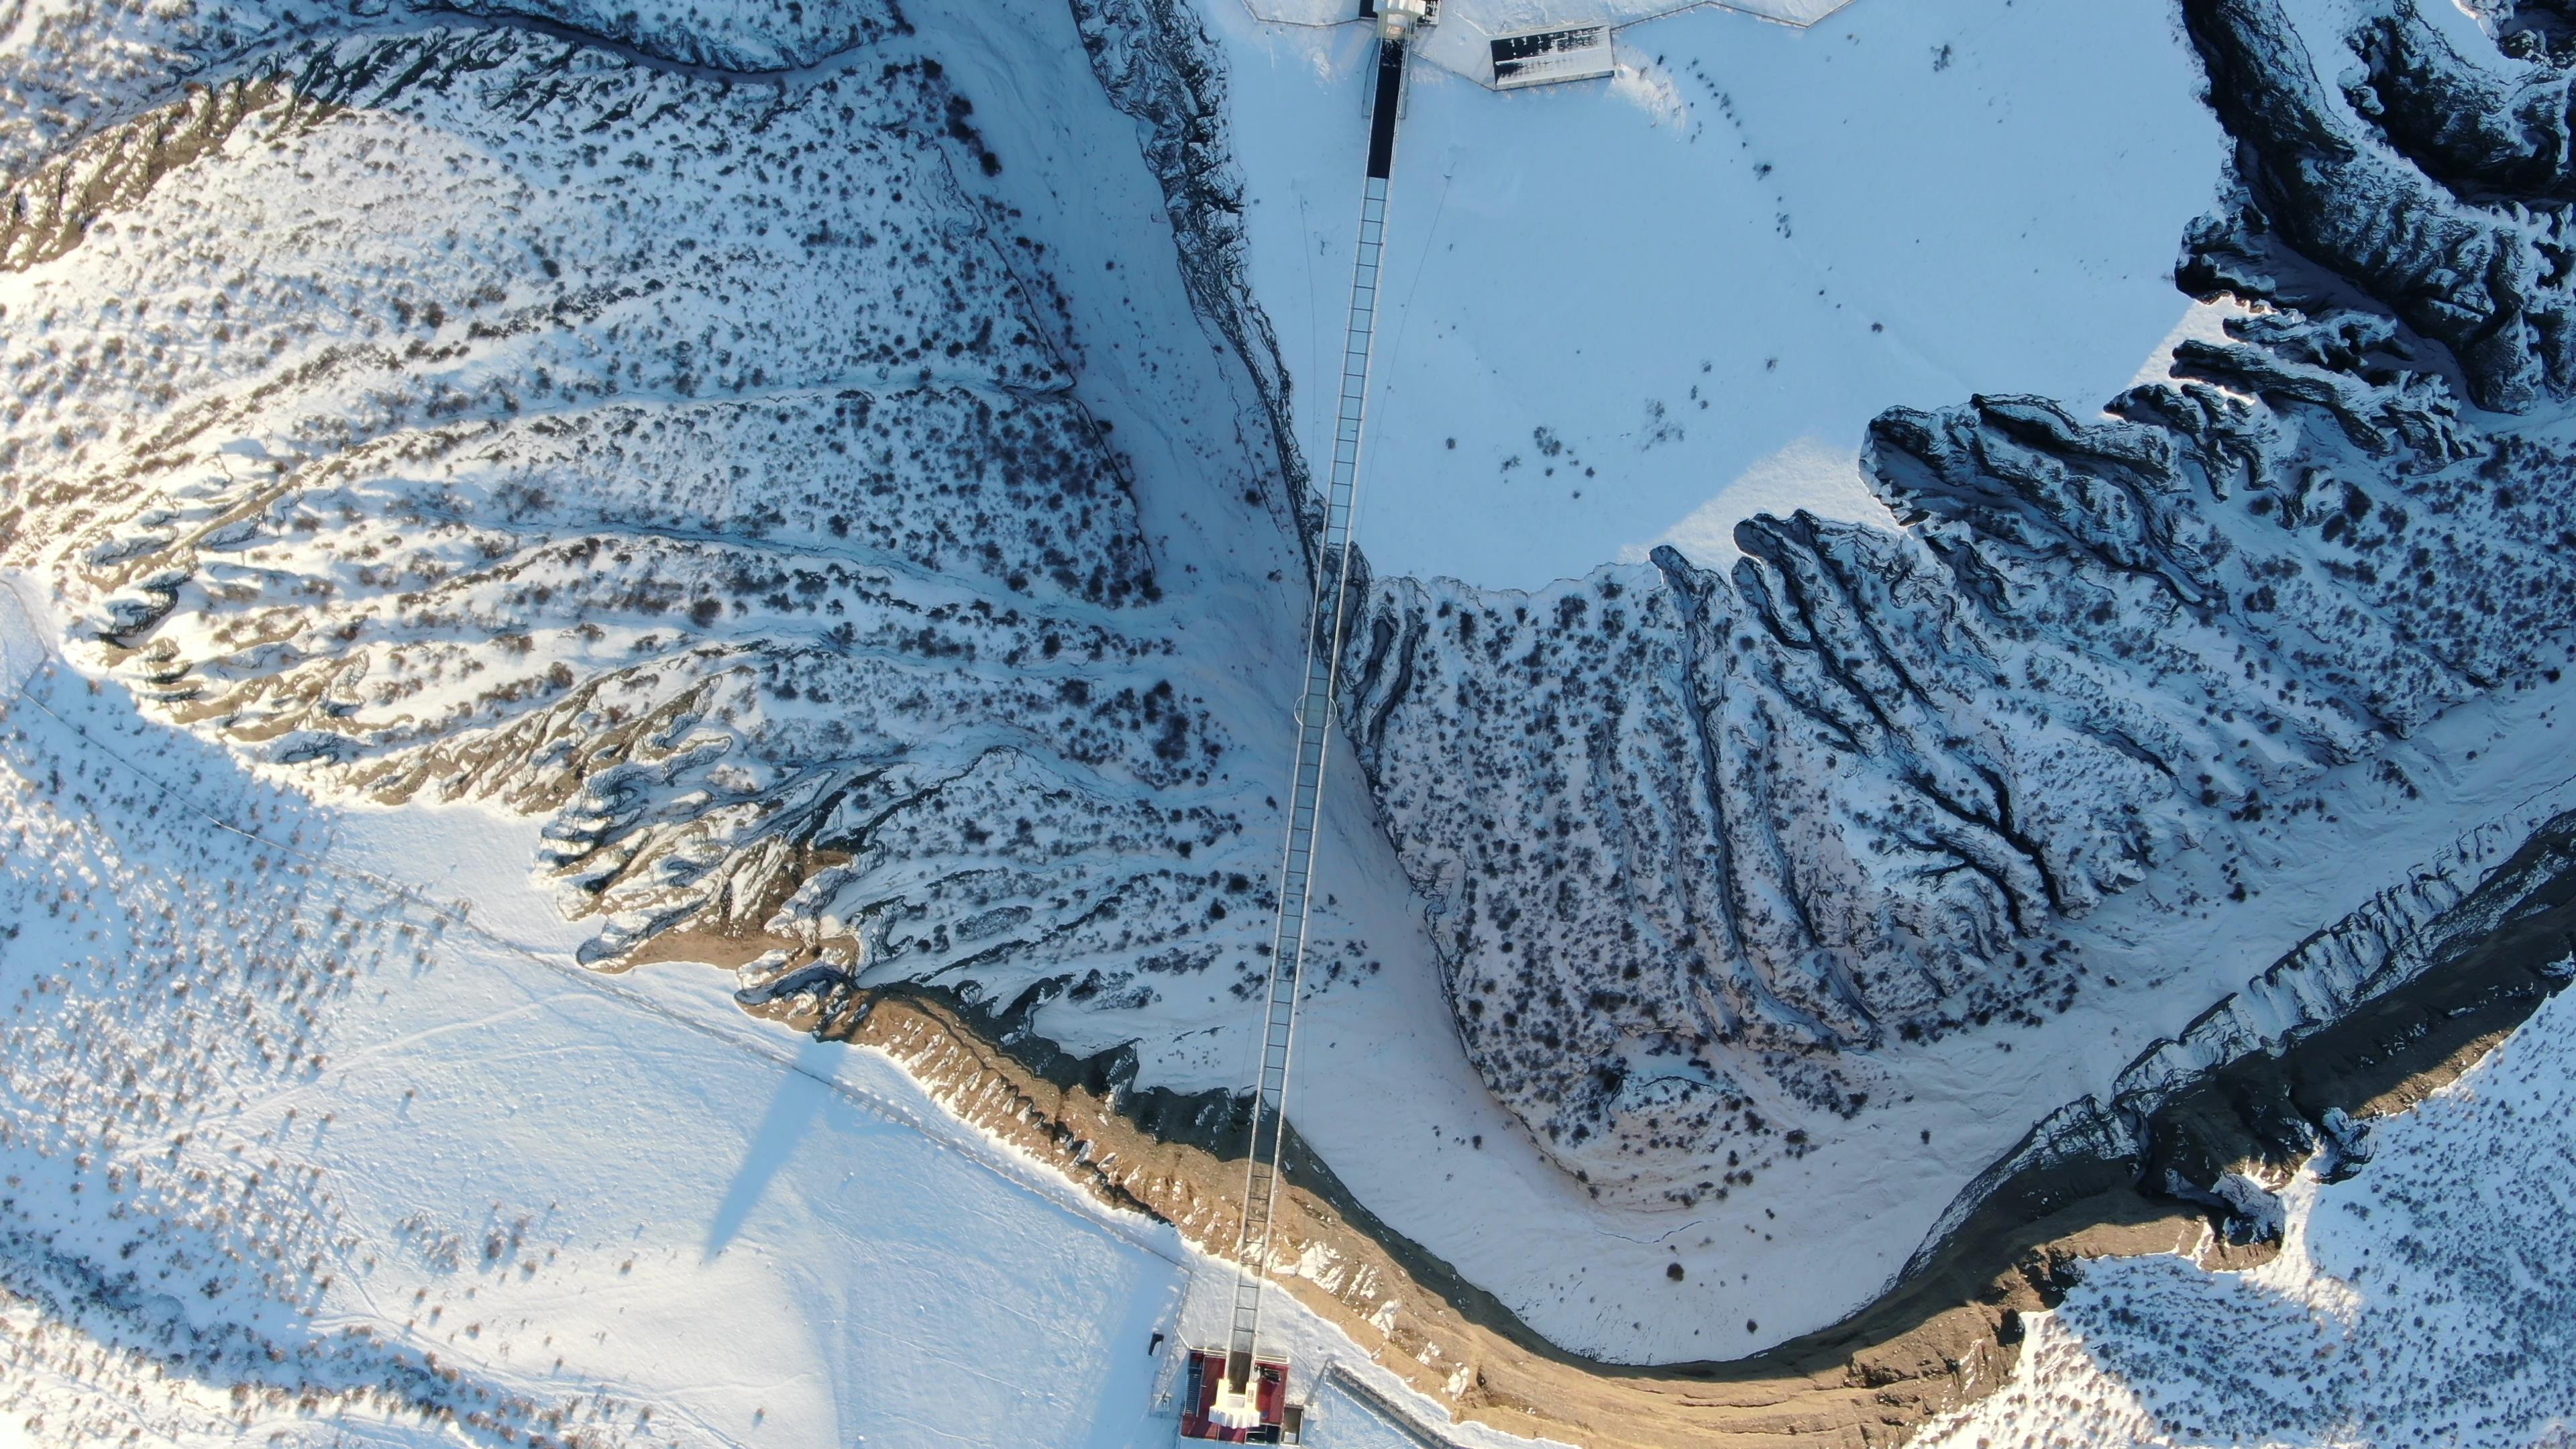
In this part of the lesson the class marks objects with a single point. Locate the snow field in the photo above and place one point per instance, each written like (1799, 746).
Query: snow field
(884, 564)
(607, 1210)
(525, 476)
(1548, 756)
(521, 396)
(1632, 312)
(2426, 1300)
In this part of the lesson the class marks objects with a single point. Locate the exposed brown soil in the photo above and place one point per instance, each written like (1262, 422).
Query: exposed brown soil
(721, 934)
(724, 950)
(2394, 1050)
(1943, 1337)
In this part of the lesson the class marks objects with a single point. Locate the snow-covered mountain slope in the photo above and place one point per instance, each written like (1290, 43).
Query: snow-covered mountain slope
(710, 483)
(798, 479)
(1845, 791)
(2424, 1300)
(315, 1135)
(1720, 863)
(69, 69)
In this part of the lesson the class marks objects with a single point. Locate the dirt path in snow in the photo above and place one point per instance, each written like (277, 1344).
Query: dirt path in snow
(1944, 1337)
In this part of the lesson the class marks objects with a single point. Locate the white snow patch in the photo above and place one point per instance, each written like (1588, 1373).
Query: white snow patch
(1811, 473)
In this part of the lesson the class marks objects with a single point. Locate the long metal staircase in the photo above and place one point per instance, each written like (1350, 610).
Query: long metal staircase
(1324, 626)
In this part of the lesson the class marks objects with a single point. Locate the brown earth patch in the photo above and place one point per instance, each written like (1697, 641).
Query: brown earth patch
(1941, 1340)
(1948, 1334)
(48, 212)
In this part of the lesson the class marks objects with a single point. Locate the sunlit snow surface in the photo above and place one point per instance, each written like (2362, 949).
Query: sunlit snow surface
(340, 1114)
(322, 1090)
(894, 1282)
(1705, 276)
(2428, 1300)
